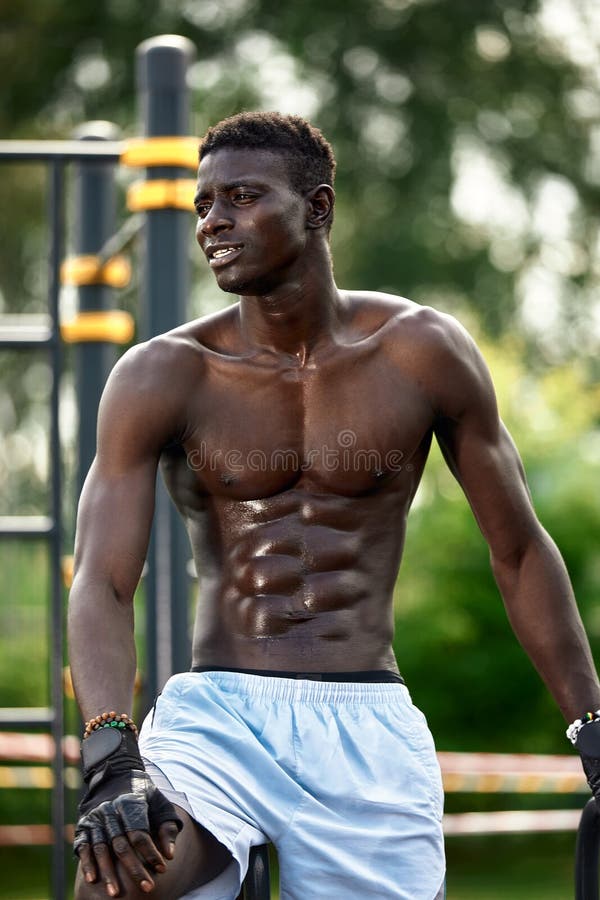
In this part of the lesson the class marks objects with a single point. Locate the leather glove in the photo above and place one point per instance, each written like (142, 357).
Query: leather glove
(120, 796)
(588, 744)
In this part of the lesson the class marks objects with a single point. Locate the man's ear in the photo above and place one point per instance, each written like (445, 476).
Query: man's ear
(319, 206)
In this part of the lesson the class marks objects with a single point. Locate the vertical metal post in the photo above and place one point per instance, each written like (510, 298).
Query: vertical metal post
(94, 224)
(587, 852)
(55, 215)
(162, 64)
(257, 883)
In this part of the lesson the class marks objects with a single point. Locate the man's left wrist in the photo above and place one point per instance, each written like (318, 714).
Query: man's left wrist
(584, 734)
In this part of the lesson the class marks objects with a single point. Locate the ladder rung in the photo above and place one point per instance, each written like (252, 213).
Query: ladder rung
(21, 332)
(36, 777)
(26, 717)
(66, 151)
(25, 526)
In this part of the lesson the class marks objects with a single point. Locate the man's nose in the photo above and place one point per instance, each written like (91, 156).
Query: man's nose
(216, 220)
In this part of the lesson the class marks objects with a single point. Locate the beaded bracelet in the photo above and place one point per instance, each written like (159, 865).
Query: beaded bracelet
(109, 720)
(576, 726)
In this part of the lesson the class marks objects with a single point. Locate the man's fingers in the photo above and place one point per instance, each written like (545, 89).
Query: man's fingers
(167, 835)
(106, 869)
(131, 862)
(132, 811)
(165, 820)
(87, 832)
(146, 849)
(119, 830)
(86, 860)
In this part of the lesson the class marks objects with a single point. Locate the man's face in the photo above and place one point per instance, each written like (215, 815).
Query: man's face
(251, 223)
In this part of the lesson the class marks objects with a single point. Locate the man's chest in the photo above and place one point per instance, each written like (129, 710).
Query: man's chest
(345, 425)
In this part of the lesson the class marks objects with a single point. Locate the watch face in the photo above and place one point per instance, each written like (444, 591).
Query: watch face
(588, 739)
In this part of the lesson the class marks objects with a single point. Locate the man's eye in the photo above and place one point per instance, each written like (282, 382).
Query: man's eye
(243, 197)
(202, 209)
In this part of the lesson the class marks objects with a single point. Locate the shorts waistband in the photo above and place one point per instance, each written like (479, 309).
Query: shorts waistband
(372, 676)
(286, 687)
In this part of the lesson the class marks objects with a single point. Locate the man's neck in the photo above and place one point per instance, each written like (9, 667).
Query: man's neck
(294, 319)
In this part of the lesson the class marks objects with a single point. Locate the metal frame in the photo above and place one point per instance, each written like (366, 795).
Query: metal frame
(47, 337)
(163, 99)
(162, 68)
(257, 883)
(43, 332)
(59, 151)
(94, 225)
(587, 853)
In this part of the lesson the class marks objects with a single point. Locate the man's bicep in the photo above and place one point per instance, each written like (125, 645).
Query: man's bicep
(482, 455)
(117, 501)
(490, 472)
(113, 526)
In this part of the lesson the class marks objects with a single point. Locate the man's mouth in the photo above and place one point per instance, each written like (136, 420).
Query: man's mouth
(221, 255)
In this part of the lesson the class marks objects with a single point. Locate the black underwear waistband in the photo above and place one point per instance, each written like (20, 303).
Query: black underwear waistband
(376, 676)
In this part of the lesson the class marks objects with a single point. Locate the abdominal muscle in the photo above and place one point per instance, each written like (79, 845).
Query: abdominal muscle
(298, 581)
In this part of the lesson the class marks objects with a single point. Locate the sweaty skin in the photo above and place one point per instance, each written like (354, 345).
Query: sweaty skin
(292, 429)
(295, 493)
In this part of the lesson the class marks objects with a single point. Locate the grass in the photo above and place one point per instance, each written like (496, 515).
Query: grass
(26, 873)
(511, 867)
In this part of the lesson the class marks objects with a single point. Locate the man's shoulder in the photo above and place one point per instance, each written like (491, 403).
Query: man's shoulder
(180, 348)
(214, 333)
(405, 318)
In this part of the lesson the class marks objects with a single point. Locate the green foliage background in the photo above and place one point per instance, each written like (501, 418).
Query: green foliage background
(415, 95)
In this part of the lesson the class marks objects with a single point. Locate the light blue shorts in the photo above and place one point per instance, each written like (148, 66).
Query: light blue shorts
(341, 777)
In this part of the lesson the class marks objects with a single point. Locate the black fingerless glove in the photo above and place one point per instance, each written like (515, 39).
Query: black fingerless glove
(120, 796)
(588, 744)
(110, 758)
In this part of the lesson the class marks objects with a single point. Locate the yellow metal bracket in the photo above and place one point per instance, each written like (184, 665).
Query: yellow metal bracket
(175, 193)
(161, 151)
(84, 270)
(113, 326)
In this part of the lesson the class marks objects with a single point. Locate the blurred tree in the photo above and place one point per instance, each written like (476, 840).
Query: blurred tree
(467, 134)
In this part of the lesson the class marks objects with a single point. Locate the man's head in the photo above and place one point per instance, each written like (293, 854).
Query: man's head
(264, 201)
(309, 157)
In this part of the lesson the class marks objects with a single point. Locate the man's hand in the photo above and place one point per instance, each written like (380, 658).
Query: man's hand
(588, 744)
(122, 815)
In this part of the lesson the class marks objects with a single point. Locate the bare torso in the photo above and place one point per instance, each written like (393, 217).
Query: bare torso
(294, 478)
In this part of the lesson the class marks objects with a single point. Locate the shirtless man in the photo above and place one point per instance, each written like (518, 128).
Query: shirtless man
(292, 429)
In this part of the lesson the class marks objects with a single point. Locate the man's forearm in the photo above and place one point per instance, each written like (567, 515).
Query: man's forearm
(101, 648)
(543, 613)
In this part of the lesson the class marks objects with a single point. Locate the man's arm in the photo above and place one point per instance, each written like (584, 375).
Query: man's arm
(113, 528)
(137, 417)
(526, 563)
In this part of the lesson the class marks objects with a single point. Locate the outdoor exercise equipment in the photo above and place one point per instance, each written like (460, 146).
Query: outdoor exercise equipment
(587, 851)
(257, 885)
(160, 205)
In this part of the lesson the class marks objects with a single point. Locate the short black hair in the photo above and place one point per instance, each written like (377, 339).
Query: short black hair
(309, 155)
